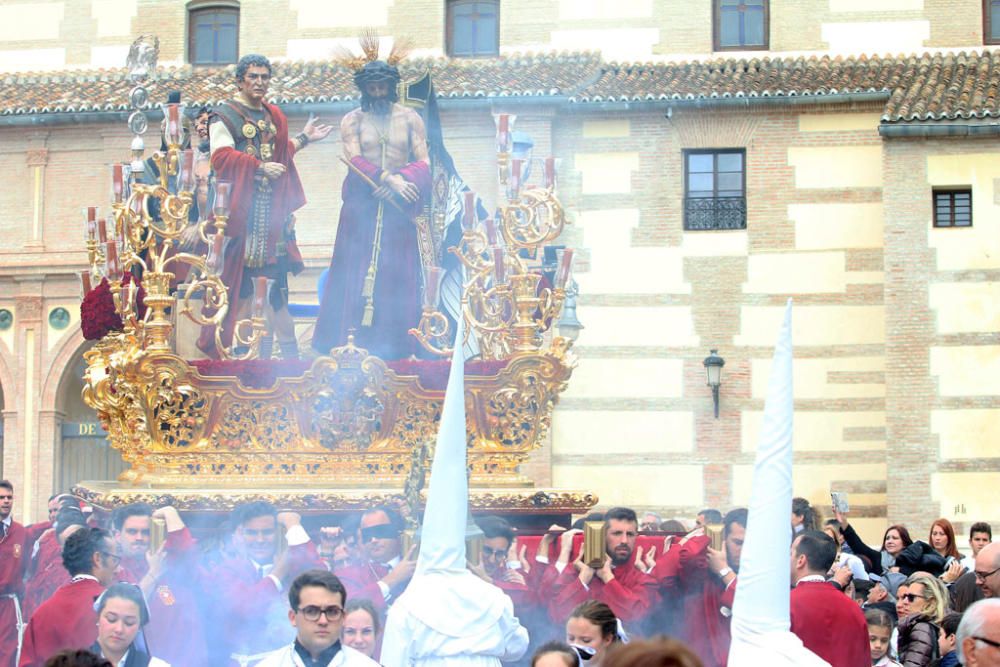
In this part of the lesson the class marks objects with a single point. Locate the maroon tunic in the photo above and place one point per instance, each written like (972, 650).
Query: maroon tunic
(47, 575)
(173, 604)
(67, 620)
(397, 298)
(830, 624)
(707, 603)
(631, 594)
(287, 197)
(13, 562)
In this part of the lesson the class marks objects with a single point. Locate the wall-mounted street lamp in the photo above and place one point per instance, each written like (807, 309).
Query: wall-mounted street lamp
(713, 366)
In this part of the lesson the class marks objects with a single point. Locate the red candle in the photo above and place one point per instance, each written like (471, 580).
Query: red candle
(562, 276)
(91, 230)
(491, 231)
(503, 133)
(504, 123)
(85, 281)
(259, 295)
(221, 205)
(111, 260)
(117, 180)
(186, 177)
(173, 122)
(215, 257)
(515, 174)
(431, 287)
(499, 267)
(550, 172)
(469, 217)
(102, 230)
(91, 213)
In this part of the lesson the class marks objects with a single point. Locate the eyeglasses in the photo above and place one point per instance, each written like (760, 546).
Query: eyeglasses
(494, 553)
(114, 558)
(983, 576)
(312, 612)
(912, 597)
(988, 642)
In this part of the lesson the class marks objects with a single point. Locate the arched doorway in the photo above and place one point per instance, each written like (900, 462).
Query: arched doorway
(83, 449)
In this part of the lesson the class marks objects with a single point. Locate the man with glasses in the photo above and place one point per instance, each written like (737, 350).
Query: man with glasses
(317, 600)
(68, 620)
(384, 572)
(988, 570)
(978, 637)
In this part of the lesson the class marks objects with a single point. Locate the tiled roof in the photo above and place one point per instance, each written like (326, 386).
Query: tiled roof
(941, 86)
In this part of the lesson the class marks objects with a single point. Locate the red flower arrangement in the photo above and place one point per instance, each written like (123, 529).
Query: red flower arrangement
(97, 311)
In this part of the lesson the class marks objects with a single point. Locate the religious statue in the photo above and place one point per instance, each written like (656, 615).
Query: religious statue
(374, 282)
(251, 149)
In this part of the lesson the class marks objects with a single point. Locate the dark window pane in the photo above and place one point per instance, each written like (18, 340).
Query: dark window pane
(473, 28)
(215, 35)
(729, 28)
(462, 37)
(994, 19)
(700, 162)
(204, 44)
(699, 183)
(753, 27)
(730, 161)
(730, 182)
(731, 3)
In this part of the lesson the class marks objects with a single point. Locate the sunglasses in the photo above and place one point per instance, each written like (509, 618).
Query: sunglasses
(912, 597)
(383, 531)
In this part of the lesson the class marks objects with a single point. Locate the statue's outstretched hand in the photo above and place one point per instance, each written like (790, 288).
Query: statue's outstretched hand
(315, 130)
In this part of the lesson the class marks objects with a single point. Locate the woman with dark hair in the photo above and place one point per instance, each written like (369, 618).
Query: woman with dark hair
(121, 615)
(555, 654)
(895, 539)
(362, 629)
(76, 658)
(804, 516)
(654, 653)
(592, 627)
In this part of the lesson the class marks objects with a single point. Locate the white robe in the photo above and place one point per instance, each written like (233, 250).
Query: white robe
(440, 627)
(287, 657)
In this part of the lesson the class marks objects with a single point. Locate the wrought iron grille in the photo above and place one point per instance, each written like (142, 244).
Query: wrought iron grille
(702, 213)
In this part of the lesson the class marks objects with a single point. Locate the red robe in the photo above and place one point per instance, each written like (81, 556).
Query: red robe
(830, 624)
(707, 604)
(252, 614)
(13, 562)
(287, 197)
(67, 620)
(361, 581)
(173, 604)
(631, 594)
(397, 299)
(47, 575)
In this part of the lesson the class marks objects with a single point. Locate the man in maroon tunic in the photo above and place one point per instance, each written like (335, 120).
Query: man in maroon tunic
(67, 620)
(13, 561)
(250, 148)
(166, 580)
(828, 622)
(373, 287)
(618, 583)
(384, 571)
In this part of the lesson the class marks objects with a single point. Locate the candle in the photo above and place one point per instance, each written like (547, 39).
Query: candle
(504, 122)
(117, 180)
(85, 281)
(562, 276)
(431, 287)
(515, 174)
(499, 267)
(221, 205)
(215, 254)
(503, 133)
(185, 180)
(259, 295)
(102, 230)
(550, 172)
(91, 230)
(491, 231)
(91, 213)
(173, 123)
(111, 260)
(469, 214)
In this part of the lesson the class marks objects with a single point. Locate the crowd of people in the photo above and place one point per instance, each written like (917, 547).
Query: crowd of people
(266, 591)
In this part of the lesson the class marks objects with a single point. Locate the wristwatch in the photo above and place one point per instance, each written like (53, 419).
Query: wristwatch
(724, 571)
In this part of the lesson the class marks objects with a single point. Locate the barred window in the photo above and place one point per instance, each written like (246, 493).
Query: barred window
(213, 35)
(740, 25)
(715, 189)
(953, 208)
(473, 28)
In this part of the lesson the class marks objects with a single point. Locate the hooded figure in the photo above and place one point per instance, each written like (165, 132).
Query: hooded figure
(448, 615)
(761, 612)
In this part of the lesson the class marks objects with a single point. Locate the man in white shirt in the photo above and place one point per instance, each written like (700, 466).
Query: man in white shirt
(317, 600)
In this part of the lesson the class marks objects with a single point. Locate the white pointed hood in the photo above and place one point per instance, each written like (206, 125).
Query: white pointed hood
(761, 615)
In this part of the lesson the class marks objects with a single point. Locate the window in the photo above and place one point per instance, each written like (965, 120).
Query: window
(473, 28)
(213, 35)
(740, 25)
(953, 208)
(715, 189)
(991, 21)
